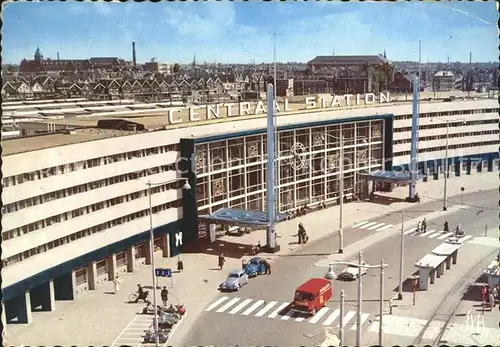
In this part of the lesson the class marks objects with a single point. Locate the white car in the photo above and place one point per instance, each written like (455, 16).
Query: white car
(235, 280)
(351, 272)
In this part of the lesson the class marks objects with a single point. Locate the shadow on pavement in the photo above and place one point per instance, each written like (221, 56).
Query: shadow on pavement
(229, 249)
(473, 293)
(386, 200)
(407, 284)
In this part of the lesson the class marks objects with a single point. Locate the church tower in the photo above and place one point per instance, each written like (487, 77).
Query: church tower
(38, 54)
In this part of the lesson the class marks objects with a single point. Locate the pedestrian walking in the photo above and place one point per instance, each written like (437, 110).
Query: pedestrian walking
(243, 263)
(222, 260)
(180, 264)
(164, 296)
(116, 284)
(268, 268)
(424, 225)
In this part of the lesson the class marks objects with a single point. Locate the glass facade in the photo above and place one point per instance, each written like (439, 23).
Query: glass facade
(232, 173)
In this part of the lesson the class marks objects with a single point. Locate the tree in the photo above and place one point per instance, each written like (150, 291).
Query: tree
(177, 68)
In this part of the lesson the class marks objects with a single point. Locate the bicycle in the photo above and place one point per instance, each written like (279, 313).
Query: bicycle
(133, 297)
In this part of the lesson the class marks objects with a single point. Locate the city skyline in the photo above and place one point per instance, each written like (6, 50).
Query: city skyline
(175, 32)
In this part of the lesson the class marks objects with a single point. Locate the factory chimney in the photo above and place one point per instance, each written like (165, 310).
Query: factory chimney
(57, 55)
(133, 54)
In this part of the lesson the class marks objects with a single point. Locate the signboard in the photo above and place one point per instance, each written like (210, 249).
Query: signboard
(176, 238)
(199, 113)
(163, 272)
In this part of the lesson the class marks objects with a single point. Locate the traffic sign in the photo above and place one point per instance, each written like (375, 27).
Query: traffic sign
(163, 272)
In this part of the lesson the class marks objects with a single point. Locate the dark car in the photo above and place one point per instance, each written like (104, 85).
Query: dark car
(255, 267)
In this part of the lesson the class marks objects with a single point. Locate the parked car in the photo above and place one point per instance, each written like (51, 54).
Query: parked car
(235, 280)
(351, 273)
(254, 267)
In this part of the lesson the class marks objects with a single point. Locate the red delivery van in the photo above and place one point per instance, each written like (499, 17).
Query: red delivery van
(311, 296)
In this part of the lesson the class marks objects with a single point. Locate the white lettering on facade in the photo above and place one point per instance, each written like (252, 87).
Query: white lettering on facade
(171, 118)
(335, 101)
(229, 108)
(322, 101)
(348, 99)
(369, 98)
(213, 113)
(178, 239)
(244, 108)
(193, 115)
(259, 108)
(384, 98)
(310, 102)
(286, 108)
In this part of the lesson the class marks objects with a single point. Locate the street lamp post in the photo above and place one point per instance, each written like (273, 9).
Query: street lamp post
(359, 300)
(186, 186)
(445, 196)
(360, 265)
(341, 196)
(341, 326)
(381, 305)
(446, 164)
(401, 256)
(341, 187)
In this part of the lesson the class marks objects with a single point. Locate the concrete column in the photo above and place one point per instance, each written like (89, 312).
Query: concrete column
(440, 270)
(448, 263)
(65, 287)
(423, 278)
(131, 259)
(112, 267)
(92, 275)
(426, 174)
(4, 322)
(432, 276)
(454, 257)
(211, 232)
(165, 246)
(147, 249)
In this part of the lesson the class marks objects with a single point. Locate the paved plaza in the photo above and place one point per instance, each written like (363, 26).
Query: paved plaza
(100, 317)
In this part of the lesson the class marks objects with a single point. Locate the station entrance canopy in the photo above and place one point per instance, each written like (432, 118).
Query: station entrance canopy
(230, 216)
(395, 177)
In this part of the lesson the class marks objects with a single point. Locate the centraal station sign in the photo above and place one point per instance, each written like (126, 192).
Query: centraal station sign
(228, 110)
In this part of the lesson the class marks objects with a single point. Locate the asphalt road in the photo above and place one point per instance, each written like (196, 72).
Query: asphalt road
(235, 324)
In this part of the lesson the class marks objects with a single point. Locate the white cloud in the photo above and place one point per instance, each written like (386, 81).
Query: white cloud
(470, 15)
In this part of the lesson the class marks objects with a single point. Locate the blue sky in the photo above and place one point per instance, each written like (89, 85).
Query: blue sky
(241, 32)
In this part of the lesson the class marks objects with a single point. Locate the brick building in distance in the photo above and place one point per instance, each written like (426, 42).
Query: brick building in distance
(41, 65)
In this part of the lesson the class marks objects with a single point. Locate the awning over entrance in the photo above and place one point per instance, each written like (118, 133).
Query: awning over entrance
(392, 176)
(239, 217)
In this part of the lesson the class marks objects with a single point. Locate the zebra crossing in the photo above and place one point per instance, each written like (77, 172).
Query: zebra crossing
(134, 332)
(326, 316)
(430, 234)
(372, 226)
(434, 234)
